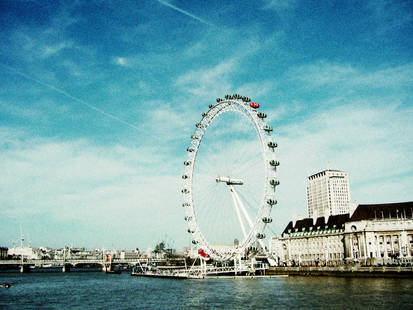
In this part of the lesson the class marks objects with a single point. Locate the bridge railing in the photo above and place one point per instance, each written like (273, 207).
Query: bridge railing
(75, 261)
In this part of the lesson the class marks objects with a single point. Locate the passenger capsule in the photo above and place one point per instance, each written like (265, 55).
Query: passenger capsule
(190, 149)
(185, 191)
(254, 105)
(267, 128)
(185, 204)
(191, 231)
(204, 114)
(194, 242)
(185, 177)
(203, 254)
(199, 125)
(187, 163)
(227, 96)
(274, 163)
(193, 137)
(260, 236)
(274, 182)
(211, 106)
(188, 218)
(272, 202)
(261, 115)
(272, 144)
(267, 220)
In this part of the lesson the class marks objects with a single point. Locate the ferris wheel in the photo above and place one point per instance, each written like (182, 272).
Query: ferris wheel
(229, 179)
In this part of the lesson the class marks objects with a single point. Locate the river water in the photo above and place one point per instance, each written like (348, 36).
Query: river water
(96, 290)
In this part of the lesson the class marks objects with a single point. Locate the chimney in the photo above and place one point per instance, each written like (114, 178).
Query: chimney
(294, 219)
(315, 216)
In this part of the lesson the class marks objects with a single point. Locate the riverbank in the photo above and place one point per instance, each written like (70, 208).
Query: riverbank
(344, 271)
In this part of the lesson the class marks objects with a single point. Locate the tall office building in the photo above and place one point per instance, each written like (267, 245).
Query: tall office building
(328, 193)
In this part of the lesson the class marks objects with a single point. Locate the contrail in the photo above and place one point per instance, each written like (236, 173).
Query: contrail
(92, 107)
(186, 13)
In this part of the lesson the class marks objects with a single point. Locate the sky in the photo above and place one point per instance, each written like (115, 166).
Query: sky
(98, 100)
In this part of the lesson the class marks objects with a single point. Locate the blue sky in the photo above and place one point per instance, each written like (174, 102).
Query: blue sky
(98, 100)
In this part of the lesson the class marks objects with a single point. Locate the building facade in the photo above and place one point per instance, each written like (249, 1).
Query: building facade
(3, 252)
(380, 233)
(375, 234)
(328, 193)
(25, 251)
(311, 242)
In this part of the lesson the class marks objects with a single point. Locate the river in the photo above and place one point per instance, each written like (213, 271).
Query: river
(96, 290)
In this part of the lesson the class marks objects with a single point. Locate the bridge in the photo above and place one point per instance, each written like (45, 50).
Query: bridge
(66, 263)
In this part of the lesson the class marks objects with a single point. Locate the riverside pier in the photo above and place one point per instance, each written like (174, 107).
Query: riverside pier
(345, 271)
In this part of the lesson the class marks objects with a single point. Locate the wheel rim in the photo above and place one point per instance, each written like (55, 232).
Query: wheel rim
(262, 216)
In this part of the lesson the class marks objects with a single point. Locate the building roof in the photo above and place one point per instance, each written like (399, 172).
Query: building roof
(321, 173)
(337, 220)
(363, 212)
(383, 211)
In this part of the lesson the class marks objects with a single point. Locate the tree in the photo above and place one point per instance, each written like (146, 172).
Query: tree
(160, 247)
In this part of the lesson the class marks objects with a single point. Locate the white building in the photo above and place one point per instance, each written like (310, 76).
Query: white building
(25, 251)
(134, 254)
(380, 233)
(311, 242)
(328, 193)
(375, 234)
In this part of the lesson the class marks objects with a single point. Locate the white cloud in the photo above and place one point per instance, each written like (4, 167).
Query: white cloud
(75, 181)
(338, 75)
(322, 73)
(283, 8)
(122, 61)
(208, 81)
(33, 43)
(360, 123)
(280, 5)
(52, 49)
(389, 15)
(167, 122)
(259, 88)
(370, 142)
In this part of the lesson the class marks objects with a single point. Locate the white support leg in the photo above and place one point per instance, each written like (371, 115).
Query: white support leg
(235, 266)
(231, 188)
(244, 211)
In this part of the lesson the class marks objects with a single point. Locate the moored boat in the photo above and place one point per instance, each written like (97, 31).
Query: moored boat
(166, 273)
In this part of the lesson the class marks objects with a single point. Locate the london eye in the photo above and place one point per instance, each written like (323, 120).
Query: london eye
(229, 179)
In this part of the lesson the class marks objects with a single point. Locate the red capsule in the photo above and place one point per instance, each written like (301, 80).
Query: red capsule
(254, 105)
(202, 253)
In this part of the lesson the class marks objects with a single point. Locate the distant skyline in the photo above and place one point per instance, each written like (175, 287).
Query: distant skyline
(98, 101)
